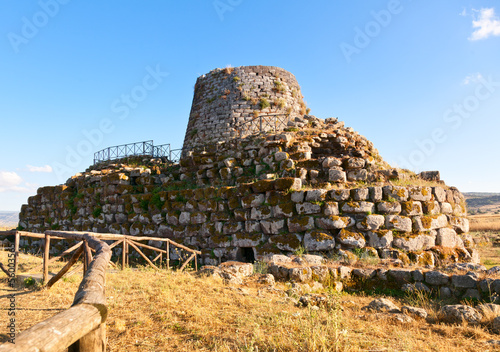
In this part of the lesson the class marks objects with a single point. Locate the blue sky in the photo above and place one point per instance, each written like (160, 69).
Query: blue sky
(419, 79)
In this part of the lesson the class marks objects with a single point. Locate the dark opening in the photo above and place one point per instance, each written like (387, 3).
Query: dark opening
(246, 255)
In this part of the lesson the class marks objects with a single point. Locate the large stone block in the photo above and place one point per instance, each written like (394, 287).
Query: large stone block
(300, 224)
(318, 241)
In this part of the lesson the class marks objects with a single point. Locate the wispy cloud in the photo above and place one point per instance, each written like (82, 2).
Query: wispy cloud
(472, 78)
(486, 23)
(11, 181)
(463, 13)
(46, 168)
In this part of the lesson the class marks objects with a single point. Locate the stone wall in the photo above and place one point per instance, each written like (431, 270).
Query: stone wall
(312, 185)
(267, 195)
(226, 98)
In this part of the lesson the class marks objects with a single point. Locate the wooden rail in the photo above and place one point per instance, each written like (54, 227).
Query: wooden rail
(82, 327)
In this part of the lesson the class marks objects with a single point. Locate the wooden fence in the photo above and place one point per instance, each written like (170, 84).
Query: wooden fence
(82, 327)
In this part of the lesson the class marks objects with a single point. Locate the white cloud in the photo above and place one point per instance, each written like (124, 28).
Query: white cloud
(10, 181)
(487, 24)
(473, 78)
(46, 168)
(463, 13)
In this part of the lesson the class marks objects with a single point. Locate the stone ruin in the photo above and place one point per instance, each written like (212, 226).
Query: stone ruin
(260, 176)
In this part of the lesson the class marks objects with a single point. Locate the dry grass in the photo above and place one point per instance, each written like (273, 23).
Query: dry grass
(170, 311)
(484, 222)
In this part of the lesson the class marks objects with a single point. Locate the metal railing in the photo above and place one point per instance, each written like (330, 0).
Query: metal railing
(145, 148)
(262, 123)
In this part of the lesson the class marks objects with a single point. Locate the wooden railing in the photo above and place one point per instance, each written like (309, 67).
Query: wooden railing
(82, 327)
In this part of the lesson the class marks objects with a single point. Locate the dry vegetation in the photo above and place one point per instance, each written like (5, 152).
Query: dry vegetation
(488, 222)
(170, 311)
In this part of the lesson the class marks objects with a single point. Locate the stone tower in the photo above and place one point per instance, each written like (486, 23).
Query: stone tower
(234, 99)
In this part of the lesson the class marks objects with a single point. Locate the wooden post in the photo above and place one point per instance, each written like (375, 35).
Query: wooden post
(88, 256)
(168, 255)
(16, 252)
(94, 341)
(195, 262)
(46, 252)
(124, 250)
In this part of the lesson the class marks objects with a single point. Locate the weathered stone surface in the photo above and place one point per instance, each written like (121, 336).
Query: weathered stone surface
(359, 194)
(284, 210)
(380, 239)
(331, 208)
(316, 195)
(421, 194)
(396, 193)
(417, 286)
(344, 272)
(459, 313)
(489, 309)
(272, 226)
(357, 175)
(287, 241)
(463, 281)
(288, 183)
(414, 312)
(382, 305)
(436, 278)
(298, 196)
(300, 224)
(302, 274)
(279, 272)
(401, 276)
(428, 223)
(460, 225)
(243, 239)
(364, 274)
(334, 222)
(318, 241)
(330, 162)
(313, 259)
(335, 175)
(320, 272)
(399, 223)
(414, 243)
(371, 223)
(340, 194)
(252, 200)
(389, 208)
(411, 208)
(308, 208)
(260, 213)
(448, 238)
(358, 207)
(351, 239)
(355, 163)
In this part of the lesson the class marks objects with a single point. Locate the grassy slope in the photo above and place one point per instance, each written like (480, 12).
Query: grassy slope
(160, 311)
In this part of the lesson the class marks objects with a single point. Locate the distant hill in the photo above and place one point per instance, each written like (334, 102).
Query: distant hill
(9, 219)
(483, 203)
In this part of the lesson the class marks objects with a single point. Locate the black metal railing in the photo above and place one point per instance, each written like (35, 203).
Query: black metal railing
(145, 148)
(262, 123)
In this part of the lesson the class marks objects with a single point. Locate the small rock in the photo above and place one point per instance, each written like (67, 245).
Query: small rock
(459, 313)
(495, 325)
(382, 305)
(402, 318)
(267, 279)
(414, 311)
